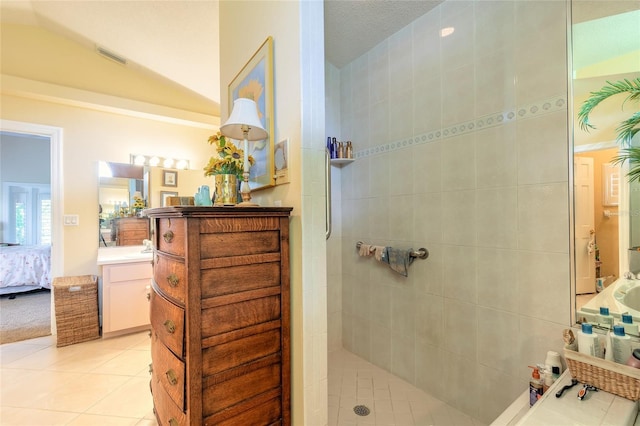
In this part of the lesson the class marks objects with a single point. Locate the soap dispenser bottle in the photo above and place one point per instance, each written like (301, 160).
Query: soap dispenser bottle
(588, 342)
(620, 344)
(535, 386)
(629, 326)
(604, 318)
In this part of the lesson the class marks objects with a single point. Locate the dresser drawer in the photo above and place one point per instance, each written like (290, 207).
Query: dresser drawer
(169, 275)
(167, 323)
(240, 388)
(168, 371)
(235, 353)
(228, 244)
(234, 316)
(167, 412)
(171, 233)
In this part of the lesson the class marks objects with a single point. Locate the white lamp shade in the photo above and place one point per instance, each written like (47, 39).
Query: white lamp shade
(244, 114)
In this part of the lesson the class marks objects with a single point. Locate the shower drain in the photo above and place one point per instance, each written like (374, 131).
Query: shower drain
(361, 410)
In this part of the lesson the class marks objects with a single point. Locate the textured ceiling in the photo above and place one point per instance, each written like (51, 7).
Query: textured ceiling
(353, 27)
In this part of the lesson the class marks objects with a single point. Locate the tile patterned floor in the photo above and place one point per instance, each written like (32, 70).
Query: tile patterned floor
(392, 401)
(100, 382)
(106, 382)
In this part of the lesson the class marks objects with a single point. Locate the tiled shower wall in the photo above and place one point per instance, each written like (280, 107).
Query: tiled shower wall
(461, 147)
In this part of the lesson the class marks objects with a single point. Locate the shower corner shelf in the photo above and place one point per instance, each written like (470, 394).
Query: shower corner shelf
(339, 162)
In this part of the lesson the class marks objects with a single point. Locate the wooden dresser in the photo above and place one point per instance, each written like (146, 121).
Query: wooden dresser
(220, 316)
(130, 231)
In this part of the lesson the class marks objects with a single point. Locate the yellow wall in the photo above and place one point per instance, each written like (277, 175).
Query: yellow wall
(606, 227)
(88, 136)
(188, 183)
(244, 26)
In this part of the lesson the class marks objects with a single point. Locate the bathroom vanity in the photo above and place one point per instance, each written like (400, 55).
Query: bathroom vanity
(622, 296)
(124, 289)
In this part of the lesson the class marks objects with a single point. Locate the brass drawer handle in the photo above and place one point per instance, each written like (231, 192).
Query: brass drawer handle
(173, 422)
(168, 236)
(173, 280)
(171, 377)
(169, 326)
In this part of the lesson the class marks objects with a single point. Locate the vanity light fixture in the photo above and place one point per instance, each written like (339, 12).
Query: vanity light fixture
(154, 161)
(139, 160)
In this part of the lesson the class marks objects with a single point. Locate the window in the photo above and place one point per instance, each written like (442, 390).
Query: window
(28, 215)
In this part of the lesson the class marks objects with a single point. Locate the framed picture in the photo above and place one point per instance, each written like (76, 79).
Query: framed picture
(255, 81)
(169, 178)
(280, 159)
(164, 195)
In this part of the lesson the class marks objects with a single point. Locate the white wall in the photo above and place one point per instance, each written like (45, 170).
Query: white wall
(461, 147)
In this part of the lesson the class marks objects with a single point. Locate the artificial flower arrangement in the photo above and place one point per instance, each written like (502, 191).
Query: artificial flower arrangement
(229, 159)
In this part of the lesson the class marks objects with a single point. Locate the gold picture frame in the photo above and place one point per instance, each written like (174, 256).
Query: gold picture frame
(255, 81)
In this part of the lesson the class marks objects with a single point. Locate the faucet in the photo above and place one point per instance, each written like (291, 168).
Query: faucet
(148, 248)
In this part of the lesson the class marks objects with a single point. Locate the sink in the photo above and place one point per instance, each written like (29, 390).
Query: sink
(126, 254)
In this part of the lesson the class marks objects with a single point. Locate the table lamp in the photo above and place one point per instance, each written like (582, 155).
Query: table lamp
(244, 124)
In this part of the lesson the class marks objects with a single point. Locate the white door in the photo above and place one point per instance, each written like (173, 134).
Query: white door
(585, 227)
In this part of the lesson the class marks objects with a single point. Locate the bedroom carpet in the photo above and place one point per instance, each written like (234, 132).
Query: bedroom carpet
(25, 317)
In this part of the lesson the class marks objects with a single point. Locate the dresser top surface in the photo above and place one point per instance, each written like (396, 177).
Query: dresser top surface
(206, 211)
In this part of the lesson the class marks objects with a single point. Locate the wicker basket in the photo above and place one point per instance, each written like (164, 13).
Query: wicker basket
(76, 305)
(609, 376)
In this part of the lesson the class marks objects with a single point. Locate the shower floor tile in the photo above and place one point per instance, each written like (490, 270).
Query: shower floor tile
(391, 401)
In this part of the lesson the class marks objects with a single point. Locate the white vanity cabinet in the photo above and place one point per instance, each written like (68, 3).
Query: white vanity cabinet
(125, 297)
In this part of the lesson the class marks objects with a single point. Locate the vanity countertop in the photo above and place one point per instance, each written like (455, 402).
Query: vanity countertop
(123, 254)
(597, 408)
(610, 297)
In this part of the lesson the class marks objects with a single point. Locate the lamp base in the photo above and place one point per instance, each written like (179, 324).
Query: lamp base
(246, 191)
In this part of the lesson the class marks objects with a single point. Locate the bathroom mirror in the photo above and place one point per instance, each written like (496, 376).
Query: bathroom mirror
(605, 47)
(118, 186)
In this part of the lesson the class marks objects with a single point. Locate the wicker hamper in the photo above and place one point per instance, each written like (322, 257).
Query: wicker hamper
(608, 376)
(76, 305)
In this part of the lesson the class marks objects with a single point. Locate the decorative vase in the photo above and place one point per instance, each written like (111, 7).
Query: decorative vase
(226, 193)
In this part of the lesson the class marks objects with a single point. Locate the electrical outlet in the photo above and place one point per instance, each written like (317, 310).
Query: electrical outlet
(71, 220)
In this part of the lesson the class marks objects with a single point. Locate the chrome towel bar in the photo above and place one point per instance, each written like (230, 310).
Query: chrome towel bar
(421, 253)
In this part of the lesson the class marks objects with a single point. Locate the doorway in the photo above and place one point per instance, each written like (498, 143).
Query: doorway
(600, 252)
(54, 136)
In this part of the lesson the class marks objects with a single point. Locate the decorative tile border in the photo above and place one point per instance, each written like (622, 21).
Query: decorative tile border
(546, 106)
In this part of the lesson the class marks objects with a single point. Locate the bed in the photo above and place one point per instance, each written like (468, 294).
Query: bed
(24, 268)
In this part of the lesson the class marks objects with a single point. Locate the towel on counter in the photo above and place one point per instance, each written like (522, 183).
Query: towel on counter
(398, 259)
